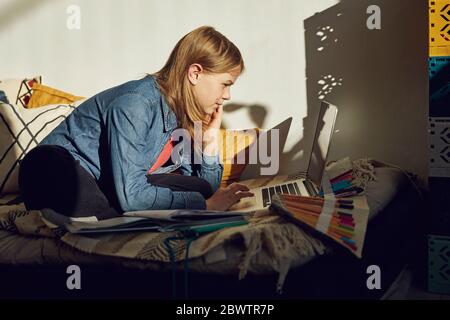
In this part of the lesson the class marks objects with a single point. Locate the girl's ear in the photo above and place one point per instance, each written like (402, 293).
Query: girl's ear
(194, 73)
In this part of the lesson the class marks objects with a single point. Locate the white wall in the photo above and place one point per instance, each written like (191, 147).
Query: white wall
(119, 40)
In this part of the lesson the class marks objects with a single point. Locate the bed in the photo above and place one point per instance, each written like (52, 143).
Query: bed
(270, 259)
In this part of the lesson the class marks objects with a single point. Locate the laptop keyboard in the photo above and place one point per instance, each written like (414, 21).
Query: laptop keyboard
(310, 187)
(288, 188)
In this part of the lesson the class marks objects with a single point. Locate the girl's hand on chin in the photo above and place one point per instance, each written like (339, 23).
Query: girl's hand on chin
(215, 119)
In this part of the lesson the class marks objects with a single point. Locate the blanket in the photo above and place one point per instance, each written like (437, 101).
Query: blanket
(267, 244)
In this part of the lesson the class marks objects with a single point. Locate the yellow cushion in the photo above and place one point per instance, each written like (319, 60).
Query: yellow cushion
(235, 153)
(44, 95)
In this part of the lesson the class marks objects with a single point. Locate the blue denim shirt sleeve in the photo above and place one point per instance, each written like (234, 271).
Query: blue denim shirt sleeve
(210, 169)
(128, 121)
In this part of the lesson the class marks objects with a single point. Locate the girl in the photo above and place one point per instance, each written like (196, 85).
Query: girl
(113, 153)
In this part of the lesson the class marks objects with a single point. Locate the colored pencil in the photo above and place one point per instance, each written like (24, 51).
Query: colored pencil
(341, 224)
(313, 199)
(334, 225)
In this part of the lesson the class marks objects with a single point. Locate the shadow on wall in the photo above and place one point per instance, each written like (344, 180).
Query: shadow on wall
(14, 10)
(377, 78)
(258, 115)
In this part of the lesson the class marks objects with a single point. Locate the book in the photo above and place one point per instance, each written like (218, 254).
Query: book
(157, 220)
(344, 221)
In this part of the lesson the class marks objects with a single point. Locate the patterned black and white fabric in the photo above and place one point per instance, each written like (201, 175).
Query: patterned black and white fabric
(21, 130)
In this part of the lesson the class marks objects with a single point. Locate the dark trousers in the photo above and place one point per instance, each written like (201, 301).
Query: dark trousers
(50, 177)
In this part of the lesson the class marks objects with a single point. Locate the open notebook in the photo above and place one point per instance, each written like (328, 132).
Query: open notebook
(150, 220)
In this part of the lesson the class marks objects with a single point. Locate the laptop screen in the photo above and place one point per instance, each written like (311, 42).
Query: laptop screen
(321, 143)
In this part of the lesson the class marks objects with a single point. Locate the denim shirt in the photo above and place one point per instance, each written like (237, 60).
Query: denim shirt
(118, 134)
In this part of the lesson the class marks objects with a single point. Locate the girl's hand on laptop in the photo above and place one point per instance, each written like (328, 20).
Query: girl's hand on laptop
(224, 198)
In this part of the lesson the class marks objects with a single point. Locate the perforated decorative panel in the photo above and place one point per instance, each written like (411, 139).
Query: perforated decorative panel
(439, 264)
(439, 35)
(439, 86)
(439, 206)
(437, 65)
(439, 51)
(441, 96)
(439, 142)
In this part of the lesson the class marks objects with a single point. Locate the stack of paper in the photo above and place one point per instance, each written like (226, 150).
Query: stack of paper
(155, 220)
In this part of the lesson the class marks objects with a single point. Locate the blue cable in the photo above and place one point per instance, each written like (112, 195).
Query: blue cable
(173, 262)
(186, 265)
(192, 236)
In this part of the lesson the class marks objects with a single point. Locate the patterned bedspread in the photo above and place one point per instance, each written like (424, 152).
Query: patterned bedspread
(268, 244)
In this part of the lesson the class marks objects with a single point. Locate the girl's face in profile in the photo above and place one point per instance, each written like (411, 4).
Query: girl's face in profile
(211, 90)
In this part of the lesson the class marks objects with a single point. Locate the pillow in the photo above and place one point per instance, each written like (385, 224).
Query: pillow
(44, 95)
(3, 97)
(17, 91)
(235, 149)
(20, 131)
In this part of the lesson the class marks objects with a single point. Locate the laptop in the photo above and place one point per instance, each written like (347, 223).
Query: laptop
(304, 184)
(253, 170)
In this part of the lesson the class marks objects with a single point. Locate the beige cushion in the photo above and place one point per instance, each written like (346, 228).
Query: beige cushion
(20, 131)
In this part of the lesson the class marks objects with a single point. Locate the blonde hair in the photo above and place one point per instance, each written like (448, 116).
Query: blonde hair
(207, 47)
